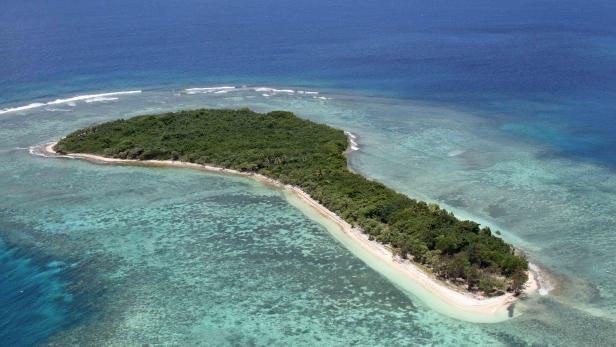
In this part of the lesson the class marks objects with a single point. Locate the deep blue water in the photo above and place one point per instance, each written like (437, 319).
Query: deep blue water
(35, 300)
(551, 61)
(545, 69)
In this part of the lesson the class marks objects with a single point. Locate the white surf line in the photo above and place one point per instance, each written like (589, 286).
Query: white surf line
(544, 284)
(352, 137)
(38, 150)
(268, 92)
(91, 96)
(273, 90)
(87, 98)
(57, 109)
(100, 98)
(22, 108)
(208, 90)
(403, 273)
(263, 90)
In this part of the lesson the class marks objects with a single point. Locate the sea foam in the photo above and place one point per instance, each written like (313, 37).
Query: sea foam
(352, 137)
(71, 101)
(100, 99)
(544, 284)
(207, 90)
(273, 90)
(22, 108)
(51, 109)
(455, 153)
(91, 96)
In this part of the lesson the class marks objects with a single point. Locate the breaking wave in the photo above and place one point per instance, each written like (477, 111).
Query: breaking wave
(22, 108)
(352, 138)
(71, 101)
(209, 90)
(262, 90)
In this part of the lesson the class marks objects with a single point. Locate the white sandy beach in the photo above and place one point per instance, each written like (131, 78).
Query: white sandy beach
(437, 294)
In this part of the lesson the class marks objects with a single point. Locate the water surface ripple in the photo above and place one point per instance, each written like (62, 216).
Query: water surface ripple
(182, 257)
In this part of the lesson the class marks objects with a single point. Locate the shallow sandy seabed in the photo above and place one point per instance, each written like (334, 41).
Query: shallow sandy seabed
(119, 222)
(440, 296)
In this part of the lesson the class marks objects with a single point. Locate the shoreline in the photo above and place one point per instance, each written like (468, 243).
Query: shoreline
(439, 295)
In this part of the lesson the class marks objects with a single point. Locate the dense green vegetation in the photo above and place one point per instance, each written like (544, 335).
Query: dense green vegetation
(312, 156)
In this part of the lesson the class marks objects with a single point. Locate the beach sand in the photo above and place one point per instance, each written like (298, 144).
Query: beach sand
(438, 295)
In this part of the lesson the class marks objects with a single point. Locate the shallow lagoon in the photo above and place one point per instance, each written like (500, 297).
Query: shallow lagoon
(176, 255)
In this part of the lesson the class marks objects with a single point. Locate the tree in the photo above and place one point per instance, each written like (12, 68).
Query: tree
(311, 156)
(446, 244)
(458, 266)
(472, 277)
(518, 281)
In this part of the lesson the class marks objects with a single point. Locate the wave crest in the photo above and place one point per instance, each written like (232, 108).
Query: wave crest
(71, 101)
(352, 137)
(208, 90)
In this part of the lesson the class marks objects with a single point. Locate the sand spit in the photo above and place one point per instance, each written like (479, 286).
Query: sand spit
(437, 294)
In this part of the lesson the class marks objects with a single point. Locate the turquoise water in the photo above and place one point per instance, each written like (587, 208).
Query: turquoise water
(508, 118)
(185, 257)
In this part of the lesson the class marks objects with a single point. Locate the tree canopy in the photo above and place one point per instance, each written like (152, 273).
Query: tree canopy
(311, 156)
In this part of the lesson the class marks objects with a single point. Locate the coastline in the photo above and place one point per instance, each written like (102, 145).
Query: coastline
(437, 294)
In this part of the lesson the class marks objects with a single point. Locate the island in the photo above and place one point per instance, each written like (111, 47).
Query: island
(311, 159)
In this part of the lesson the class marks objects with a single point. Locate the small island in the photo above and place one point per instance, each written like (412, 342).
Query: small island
(311, 159)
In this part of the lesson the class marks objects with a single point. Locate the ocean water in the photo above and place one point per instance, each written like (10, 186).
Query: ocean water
(501, 112)
(34, 297)
(186, 257)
